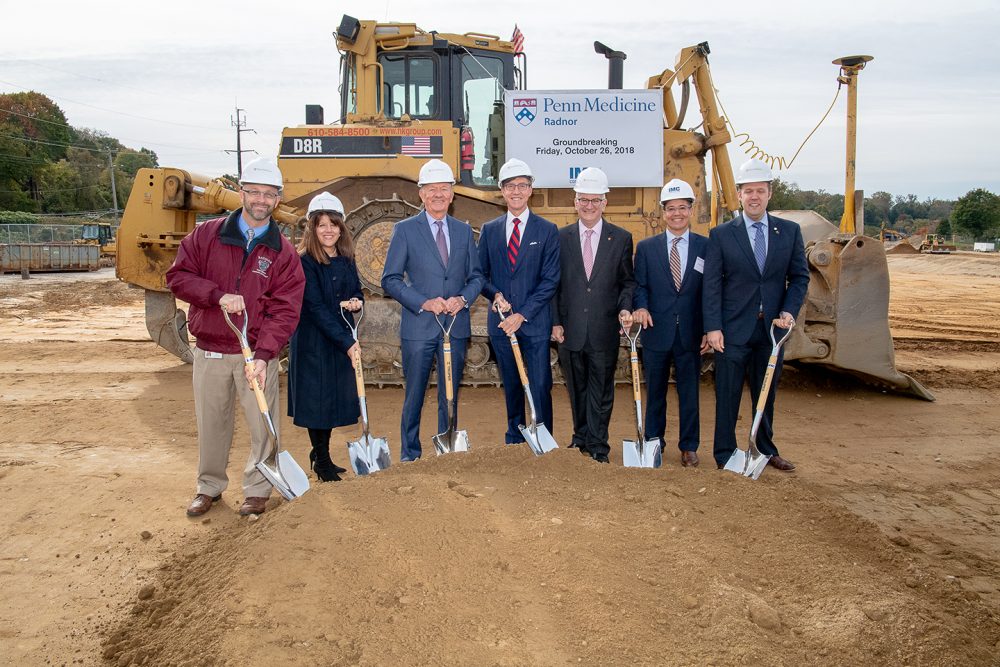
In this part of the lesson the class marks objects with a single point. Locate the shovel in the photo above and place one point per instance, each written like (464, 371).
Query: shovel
(751, 463)
(368, 454)
(536, 435)
(279, 468)
(451, 440)
(639, 453)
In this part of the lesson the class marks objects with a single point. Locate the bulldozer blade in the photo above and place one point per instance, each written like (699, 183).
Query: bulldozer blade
(167, 325)
(538, 438)
(450, 442)
(368, 454)
(642, 455)
(287, 476)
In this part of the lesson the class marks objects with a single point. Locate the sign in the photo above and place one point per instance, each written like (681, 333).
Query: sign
(363, 142)
(561, 133)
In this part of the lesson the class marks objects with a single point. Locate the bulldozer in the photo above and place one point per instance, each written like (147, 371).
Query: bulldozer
(408, 95)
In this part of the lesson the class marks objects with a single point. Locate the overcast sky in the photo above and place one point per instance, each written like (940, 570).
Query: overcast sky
(167, 76)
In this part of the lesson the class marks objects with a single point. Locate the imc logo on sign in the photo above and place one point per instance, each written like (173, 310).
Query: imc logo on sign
(573, 173)
(524, 110)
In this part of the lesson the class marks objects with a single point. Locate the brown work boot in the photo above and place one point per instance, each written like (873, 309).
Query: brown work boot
(201, 504)
(689, 459)
(253, 505)
(781, 464)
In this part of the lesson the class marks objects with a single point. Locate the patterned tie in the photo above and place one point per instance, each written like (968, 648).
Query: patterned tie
(588, 252)
(441, 242)
(514, 244)
(759, 249)
(675, 263)
(249, 237)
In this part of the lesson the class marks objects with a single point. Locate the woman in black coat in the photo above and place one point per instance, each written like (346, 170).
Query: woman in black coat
(322, 394)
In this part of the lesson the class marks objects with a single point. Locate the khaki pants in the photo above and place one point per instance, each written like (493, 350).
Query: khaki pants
(217, 383)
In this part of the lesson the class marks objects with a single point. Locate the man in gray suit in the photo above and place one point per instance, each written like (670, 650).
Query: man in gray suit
(432, 268)
(595, 291)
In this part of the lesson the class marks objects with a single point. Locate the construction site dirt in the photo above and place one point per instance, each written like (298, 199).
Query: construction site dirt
(880, 549)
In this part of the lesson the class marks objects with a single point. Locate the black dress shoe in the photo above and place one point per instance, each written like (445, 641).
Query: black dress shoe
(600, 458)
(337, 469)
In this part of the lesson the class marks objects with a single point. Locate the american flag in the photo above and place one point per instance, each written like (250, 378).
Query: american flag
(416, 146)
(517, 39)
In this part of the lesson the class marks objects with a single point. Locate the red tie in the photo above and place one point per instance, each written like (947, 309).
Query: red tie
(514, 244)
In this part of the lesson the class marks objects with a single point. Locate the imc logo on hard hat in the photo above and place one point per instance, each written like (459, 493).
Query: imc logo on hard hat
(524, 110)
(674, 188)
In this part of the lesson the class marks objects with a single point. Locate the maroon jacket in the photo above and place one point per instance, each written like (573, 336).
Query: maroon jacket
(212, 262)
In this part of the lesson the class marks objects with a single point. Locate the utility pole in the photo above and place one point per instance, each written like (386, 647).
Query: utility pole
(114, 190)
(241, 126)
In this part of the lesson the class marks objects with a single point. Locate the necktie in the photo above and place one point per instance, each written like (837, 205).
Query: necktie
(514, 244)
(675, 263)
(759, 249)
(588, 252)
(442, 243)
(249, 238)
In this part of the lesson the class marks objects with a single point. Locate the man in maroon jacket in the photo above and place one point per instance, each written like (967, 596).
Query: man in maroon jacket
(243, 265)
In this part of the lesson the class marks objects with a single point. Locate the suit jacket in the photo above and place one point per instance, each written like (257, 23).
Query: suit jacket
(672, 309)
(530, 285)
(588, 309)
(734, 288)
(414, 273)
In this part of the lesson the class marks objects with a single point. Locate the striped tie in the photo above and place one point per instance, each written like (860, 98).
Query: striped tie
(514, 244)
(588, 252)
(759, 248)
(675, 263)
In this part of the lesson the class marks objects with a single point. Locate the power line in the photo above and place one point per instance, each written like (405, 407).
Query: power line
(54, 143)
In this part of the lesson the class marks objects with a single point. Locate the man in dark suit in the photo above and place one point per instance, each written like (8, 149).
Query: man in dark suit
(595, 291)
(432, 268)
(668, 276)
(755, 273)
(519, 257)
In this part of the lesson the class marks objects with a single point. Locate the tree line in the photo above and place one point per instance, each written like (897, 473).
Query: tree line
(49, 166)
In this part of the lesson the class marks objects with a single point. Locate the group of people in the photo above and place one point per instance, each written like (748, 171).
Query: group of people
(578, 285)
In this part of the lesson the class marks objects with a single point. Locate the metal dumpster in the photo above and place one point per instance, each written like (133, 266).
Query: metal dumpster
(44, 257)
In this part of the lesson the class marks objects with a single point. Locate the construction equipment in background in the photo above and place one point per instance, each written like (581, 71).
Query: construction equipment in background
(103, 235)
(936, 244)
(407, 95)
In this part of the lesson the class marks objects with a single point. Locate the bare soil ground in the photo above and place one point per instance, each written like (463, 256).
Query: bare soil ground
(881, 549)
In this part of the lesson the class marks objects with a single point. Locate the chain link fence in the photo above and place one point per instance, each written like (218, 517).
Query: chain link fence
(41, 233)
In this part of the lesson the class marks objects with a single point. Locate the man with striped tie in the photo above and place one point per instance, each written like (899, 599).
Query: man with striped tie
(519, 258)
(595, 292)
(755, 273)
(668, 277)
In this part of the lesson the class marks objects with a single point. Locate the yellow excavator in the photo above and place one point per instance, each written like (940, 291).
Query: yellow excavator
(402, 87)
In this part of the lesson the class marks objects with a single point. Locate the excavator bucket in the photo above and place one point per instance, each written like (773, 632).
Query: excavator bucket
(167, 324)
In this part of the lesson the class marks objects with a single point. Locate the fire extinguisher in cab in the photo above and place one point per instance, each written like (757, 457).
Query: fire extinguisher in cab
(468, 160)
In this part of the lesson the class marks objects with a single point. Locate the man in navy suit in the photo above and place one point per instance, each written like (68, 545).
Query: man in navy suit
(519, 257)
(667, 300)
(595, 293)
(432, 268)
(755, 273)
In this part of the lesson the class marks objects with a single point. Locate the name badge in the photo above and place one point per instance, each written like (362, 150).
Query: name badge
(699, 265)
(213, 355)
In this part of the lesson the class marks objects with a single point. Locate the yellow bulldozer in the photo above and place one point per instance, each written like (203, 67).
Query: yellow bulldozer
(408, 95)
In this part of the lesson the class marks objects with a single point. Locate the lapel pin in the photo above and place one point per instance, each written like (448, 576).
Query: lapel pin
(776, 230)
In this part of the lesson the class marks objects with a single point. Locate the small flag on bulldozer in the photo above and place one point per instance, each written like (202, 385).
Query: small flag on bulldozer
(517, 39)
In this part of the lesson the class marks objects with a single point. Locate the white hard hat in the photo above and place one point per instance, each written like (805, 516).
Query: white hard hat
(513, 168)
(754, 171)
(262, 172)
(435, 171)
(676, 189)
(324, 201)
(591, 181)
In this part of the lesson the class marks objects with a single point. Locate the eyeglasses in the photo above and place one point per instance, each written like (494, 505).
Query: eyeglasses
(589, 202)
(676, 209)
(517, 187)
(257, 194)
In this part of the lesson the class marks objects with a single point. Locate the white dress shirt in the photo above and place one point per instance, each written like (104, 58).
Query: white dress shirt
(523, 217)
(594, 239)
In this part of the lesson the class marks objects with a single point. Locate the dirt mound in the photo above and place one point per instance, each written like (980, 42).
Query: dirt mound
(902, 248)
(500, 558)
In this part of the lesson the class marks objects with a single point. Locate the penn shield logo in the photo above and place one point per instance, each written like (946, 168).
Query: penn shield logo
(263, 264)
(525, 109)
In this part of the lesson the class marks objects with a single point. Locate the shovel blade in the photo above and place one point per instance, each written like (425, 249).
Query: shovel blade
(288, 478)
(368, 455)
(450, 442)
(645, 455)
(539, 439)
(756, 464)
(737, 463)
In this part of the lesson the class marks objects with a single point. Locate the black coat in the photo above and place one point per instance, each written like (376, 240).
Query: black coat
(321, 389)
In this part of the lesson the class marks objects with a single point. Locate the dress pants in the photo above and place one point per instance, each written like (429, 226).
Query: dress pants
(590, 380)
(418, 357)
(535, 352)
(656, 368)
(218, 382)
(732, 367)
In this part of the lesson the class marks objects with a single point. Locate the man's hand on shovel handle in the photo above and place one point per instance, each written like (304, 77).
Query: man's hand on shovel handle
(232, 303)
(259, 371)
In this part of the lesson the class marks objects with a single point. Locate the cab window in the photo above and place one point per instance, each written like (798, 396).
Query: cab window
(408, 85)
(482, 88)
